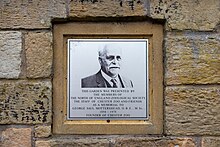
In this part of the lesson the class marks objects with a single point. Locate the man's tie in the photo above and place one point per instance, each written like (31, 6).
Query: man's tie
(114, 83)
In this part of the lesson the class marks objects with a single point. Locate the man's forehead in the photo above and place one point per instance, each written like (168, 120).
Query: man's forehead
(112, 49)
(113, 52)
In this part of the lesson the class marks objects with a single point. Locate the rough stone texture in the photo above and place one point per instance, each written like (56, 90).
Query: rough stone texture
(180, 15)
(107, 8)
(10, 54)
(197, 15)
(16, 137)
(211, 142)
(192, 58)
(119, 142)
(29, 13)
(39, 54)
(42, 143)
(72, 142)
(192, 110)
(42, 131)
(155, 142)
(25, 102)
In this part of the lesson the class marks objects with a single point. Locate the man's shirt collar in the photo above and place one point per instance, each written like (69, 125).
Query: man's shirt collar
(108, 79)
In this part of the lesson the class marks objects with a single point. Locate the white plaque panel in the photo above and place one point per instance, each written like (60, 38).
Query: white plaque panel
(92, 95)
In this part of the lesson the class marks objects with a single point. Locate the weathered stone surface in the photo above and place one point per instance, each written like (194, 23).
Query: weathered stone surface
(192, 58)
(198, 15)
(202, 15)
(107, 8)
(16, 137)
(30, 14)
(191, 14)
(211, 142)
(25, 102)
(155, 142)
(10, 54)
(42, 131)
(192, 110)
(67, 142)
(41, 143)
(39, 54)
(119, 142)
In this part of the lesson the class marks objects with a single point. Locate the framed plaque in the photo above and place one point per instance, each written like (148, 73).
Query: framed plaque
(92, 64)
(108, 78)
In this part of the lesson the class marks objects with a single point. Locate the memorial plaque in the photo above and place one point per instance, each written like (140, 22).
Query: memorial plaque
(107, 79)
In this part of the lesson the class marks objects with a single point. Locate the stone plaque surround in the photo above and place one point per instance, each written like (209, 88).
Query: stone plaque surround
(101, 30)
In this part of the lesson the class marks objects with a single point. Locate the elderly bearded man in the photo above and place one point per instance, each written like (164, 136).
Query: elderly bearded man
(108, 75)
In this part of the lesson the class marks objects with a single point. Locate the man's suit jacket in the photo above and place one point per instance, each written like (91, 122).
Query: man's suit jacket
(98, 81)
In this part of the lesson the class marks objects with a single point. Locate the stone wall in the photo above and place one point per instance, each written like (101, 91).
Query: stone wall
(191, 70)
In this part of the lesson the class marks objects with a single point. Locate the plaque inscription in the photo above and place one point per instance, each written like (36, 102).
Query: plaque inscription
(107, 79)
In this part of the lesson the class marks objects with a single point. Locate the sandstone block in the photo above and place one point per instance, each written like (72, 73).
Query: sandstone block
(30, 14)
(41, 143)
(42, 131)
(192, 110)
(16, 137)
(180, 15)
(155, 142)
(39, 54)
(10, 54)
(25, 102)
(88, 142)
(107, 8)
(192, 58)
(210, 141)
